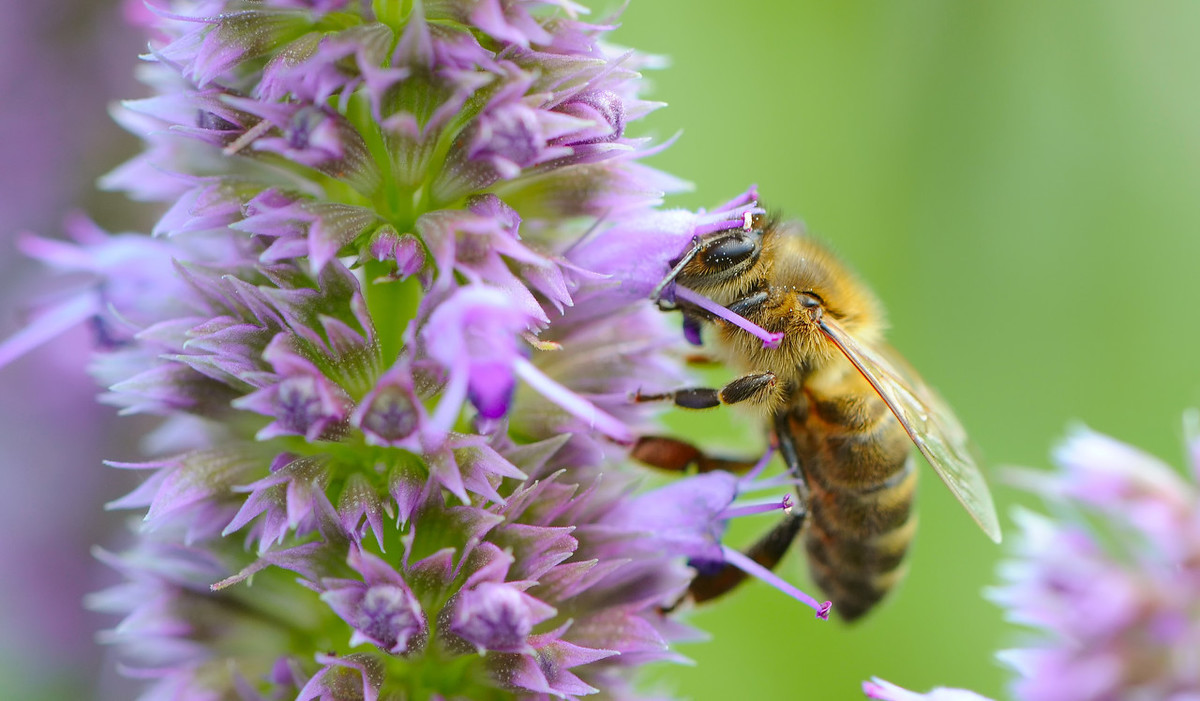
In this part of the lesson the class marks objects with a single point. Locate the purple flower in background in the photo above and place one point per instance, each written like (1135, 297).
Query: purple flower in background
(879, 689)
(70, 58)
(1112, 583)
(390, 322)
(1109, 585)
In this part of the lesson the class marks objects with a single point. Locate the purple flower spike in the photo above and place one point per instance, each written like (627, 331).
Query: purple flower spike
(391, 320)
(1109, 586)
(1111, 590)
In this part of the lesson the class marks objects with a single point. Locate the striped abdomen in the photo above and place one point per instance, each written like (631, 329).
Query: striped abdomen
(857, 463)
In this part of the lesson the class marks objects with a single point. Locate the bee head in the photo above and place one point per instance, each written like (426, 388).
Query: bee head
(719, 258)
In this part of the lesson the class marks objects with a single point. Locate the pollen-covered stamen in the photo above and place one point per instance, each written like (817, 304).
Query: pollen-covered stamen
(769, 339)
(751, 567)
(247, 138)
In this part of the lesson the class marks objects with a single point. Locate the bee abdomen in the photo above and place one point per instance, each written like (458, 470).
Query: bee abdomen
(857, 540)
(856, 461)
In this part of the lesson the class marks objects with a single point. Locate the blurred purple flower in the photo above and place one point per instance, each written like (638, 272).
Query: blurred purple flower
(879, 689)
(1112, 583)
(69, 59)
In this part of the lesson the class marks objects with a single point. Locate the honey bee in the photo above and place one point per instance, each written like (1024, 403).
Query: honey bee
(844, 409)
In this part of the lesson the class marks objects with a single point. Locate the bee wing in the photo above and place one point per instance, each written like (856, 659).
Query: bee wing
(927, 419)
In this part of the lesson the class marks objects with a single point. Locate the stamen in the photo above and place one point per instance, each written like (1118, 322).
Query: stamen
(749, 197)
(248, 137)
(784, 505)
(715, 226)
(769, 339)
(759, 466)
(674, 273)
(754, 569)
(540, 344)
(574, 404)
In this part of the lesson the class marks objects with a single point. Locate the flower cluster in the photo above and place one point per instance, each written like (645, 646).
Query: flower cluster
(392, 318)
(1111, 584)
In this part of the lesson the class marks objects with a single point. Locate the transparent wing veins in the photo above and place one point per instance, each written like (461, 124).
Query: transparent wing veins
(927, 420)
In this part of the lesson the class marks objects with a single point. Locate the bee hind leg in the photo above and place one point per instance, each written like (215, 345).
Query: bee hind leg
(674, 455)
(717, 579)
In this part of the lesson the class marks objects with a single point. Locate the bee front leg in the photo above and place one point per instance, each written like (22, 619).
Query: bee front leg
(756, 388)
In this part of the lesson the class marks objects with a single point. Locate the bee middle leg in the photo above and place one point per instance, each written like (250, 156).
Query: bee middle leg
(674, 455)
(756, 388)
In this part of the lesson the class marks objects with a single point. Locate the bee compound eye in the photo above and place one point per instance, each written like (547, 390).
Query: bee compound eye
(728, 251)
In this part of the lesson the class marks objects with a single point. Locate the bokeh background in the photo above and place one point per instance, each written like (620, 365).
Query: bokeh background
(1017, 181)
(61, 64)
(1020, 183)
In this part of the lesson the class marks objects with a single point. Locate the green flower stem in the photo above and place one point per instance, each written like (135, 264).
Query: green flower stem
(392, 12)
(392, 305)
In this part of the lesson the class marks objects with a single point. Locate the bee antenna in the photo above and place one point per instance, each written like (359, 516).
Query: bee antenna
(687, 257)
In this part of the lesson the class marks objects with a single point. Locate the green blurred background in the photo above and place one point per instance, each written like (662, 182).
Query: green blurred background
(1018, 182)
